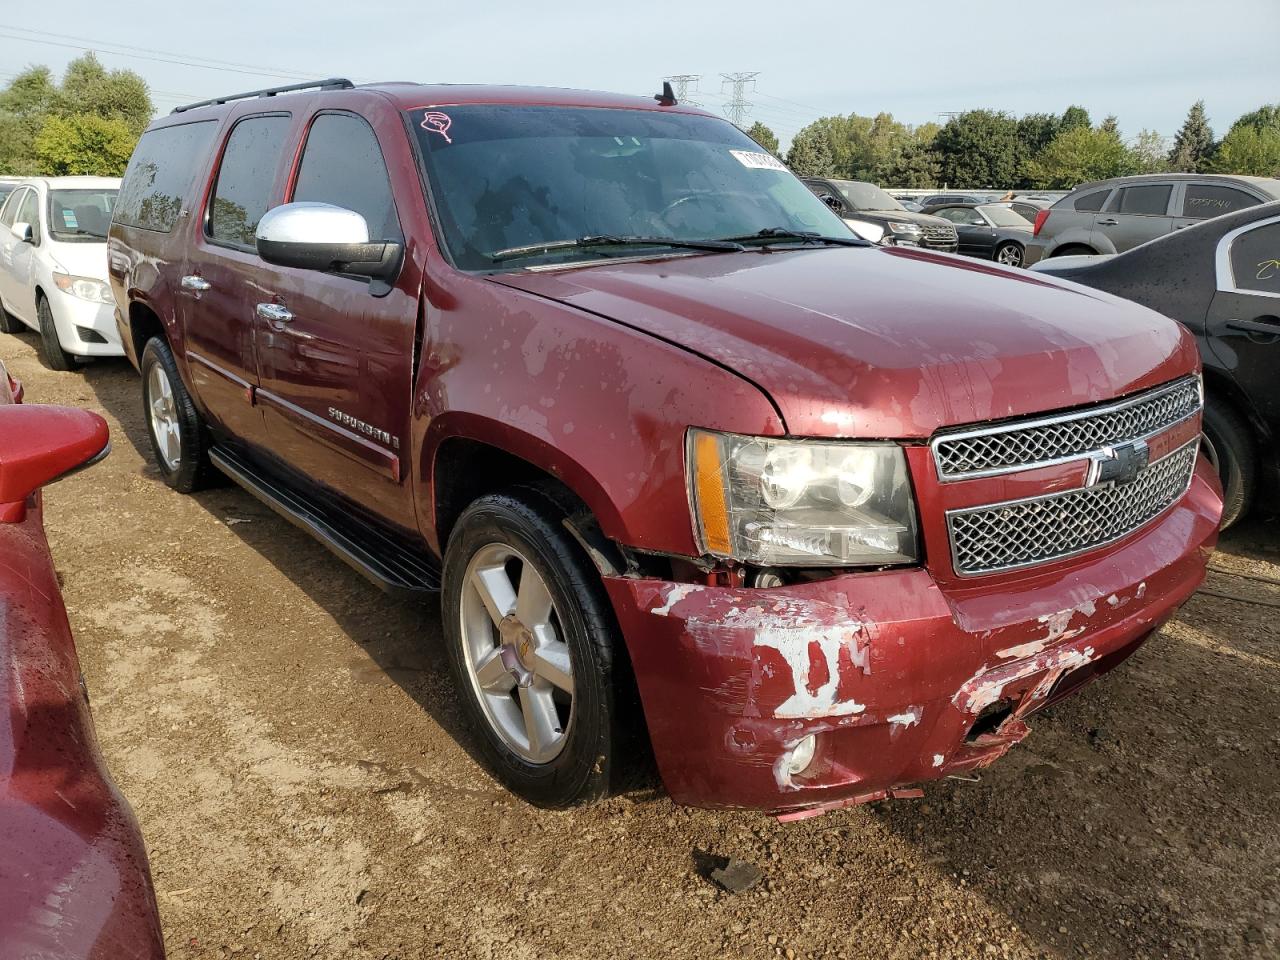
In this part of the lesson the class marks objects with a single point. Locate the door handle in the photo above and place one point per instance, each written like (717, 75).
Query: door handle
(1267, 326)
(1108, 223)
(274, 312)
(195, 284)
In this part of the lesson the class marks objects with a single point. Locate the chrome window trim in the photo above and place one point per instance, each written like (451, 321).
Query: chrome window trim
(959, 572)
(1226, 279)
(1086, 414)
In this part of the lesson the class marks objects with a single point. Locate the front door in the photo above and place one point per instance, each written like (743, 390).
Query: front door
(335, 352)
(223, 272)
(16, 288)
(1243, 326)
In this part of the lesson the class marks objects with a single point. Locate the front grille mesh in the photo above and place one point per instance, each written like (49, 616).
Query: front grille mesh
(939, 232)
(1018, 448)
(1027, 532)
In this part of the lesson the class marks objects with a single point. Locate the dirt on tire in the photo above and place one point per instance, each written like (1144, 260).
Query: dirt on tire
(292, 745)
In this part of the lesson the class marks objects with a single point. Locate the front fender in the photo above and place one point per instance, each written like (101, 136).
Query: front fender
(603, 407)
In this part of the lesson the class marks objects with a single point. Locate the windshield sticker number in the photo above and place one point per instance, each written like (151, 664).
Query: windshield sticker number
(756, 160)
(69, 220)
(438, 122)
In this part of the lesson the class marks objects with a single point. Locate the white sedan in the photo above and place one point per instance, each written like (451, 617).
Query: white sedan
(53, 266)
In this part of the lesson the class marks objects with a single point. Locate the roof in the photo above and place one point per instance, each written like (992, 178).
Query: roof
(409, 96)
(1267, 184)
(75, 183)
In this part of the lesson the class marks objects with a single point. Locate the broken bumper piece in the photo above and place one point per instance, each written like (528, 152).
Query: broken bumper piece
(900, 677)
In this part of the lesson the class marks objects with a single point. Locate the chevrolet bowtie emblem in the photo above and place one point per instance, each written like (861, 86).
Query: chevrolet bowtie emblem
(1119, 465)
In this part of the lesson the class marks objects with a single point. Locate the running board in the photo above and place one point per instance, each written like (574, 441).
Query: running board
(387, 563)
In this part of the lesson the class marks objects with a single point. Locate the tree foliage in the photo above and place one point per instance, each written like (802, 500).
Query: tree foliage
(1194, 143)
(1249, 150)
(763, 136)
(867, 148)
(810, 154)
(978, 148)
(1080, 154)
(1074, 117)
(88, 124)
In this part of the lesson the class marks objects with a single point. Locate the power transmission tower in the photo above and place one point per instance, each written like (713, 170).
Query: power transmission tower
(737, 107)
(682, 82)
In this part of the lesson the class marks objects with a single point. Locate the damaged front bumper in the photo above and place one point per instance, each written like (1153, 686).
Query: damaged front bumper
(900, 680)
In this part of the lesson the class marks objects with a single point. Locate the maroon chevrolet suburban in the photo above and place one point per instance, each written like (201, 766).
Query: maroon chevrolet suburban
(689, 463)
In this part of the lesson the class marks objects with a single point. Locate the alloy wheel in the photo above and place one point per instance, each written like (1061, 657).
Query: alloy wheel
(162, 409)
(519, 664)
(1010, 256)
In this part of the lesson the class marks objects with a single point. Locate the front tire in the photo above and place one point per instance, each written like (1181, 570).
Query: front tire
(531, 637)
(179, 439)
(1010, 254)
(1229, 447)
(51, 346)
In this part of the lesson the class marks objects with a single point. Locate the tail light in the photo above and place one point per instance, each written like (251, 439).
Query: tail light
(1041, 217)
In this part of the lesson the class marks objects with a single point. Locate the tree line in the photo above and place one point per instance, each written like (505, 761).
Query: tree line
(87, 124)
(994, 149)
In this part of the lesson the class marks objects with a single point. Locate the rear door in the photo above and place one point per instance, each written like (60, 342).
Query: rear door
(336, 352)
(1243, 326)
(223, 275)
(1198, 201)
(1136, 214)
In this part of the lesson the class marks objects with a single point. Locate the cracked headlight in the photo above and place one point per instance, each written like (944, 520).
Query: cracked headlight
(83, 288)
(806, 503)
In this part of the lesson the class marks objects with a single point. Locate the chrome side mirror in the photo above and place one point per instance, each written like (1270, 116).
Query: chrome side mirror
(321, 236)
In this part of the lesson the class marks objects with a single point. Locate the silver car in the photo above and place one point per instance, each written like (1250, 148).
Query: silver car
(1112, 216)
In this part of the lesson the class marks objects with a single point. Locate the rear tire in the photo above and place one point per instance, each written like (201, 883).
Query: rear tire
(1010, 254)
(1074, 250)
(1229, 447)
(180, 440)
(54, 356)
(9, 323)
(498, 543)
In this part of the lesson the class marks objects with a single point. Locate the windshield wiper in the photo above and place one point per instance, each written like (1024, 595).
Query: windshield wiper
(536, 249)
(804, 236)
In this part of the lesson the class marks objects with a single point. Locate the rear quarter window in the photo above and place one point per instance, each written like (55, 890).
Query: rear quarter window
(160, 175)
(1091, 201)
(1255, 260)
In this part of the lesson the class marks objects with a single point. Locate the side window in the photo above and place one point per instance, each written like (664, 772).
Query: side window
(9, 213)
(1255, 260)
(1092, 201)
(1207, 200)
(954, 214)
(245, 178)
(1149, 200)
(29, 212)
(342, 164)
(160, 175)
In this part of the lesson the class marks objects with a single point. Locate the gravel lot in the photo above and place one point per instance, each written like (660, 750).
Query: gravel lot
(291, 744)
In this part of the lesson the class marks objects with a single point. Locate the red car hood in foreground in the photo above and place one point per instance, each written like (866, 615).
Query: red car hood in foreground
(74, 881)
(885, 343)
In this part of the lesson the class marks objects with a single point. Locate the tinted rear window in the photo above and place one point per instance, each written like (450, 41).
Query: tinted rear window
(1205, 200)
(160, 175)
(1151, 200)
(245, 178)
(1092, 201)
(1254, 262)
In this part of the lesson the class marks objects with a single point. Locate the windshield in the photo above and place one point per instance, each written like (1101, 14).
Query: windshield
(1003, 216)
(81, 215)
(505, 178)
(866, 196)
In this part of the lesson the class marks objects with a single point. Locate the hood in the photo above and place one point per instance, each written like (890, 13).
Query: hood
(903, 216)
(884, 342)
(81, 259)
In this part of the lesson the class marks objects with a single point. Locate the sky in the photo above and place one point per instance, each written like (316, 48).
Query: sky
(1146, 61)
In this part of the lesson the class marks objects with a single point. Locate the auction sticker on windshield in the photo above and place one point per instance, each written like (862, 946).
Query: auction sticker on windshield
(757, 160)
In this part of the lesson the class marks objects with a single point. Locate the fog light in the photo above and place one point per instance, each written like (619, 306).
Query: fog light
(801, 755)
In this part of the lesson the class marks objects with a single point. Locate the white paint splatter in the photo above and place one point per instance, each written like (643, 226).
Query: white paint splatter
(910, 717)
(937, 759)
(677, 593)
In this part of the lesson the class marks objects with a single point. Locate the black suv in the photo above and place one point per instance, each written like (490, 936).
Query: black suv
(876, 216)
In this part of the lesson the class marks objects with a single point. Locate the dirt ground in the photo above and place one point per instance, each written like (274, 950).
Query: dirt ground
(290, 741)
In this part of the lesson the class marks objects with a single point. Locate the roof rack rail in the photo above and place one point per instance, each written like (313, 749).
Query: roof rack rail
(333, 83)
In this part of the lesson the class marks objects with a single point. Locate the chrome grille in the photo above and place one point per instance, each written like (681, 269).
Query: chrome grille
(1037, 443)
(1025, 532)
(939, 232)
